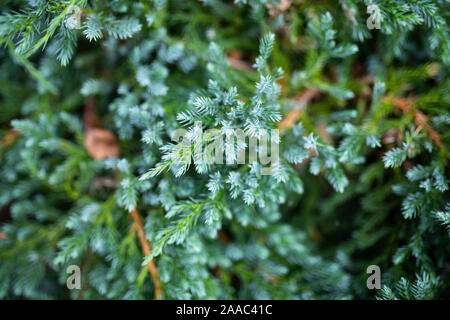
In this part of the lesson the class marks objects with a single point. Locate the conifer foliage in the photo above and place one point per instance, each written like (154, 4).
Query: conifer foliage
(91, 96)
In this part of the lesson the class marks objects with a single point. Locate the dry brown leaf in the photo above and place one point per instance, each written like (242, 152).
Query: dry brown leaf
(9, 138)
(101, 144)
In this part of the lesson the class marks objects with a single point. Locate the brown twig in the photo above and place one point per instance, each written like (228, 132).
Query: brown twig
(301, 100)
(102, 144)
(146, 250)
(406, 105)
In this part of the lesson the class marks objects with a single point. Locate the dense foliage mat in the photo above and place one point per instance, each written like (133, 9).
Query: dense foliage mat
(91, 93)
